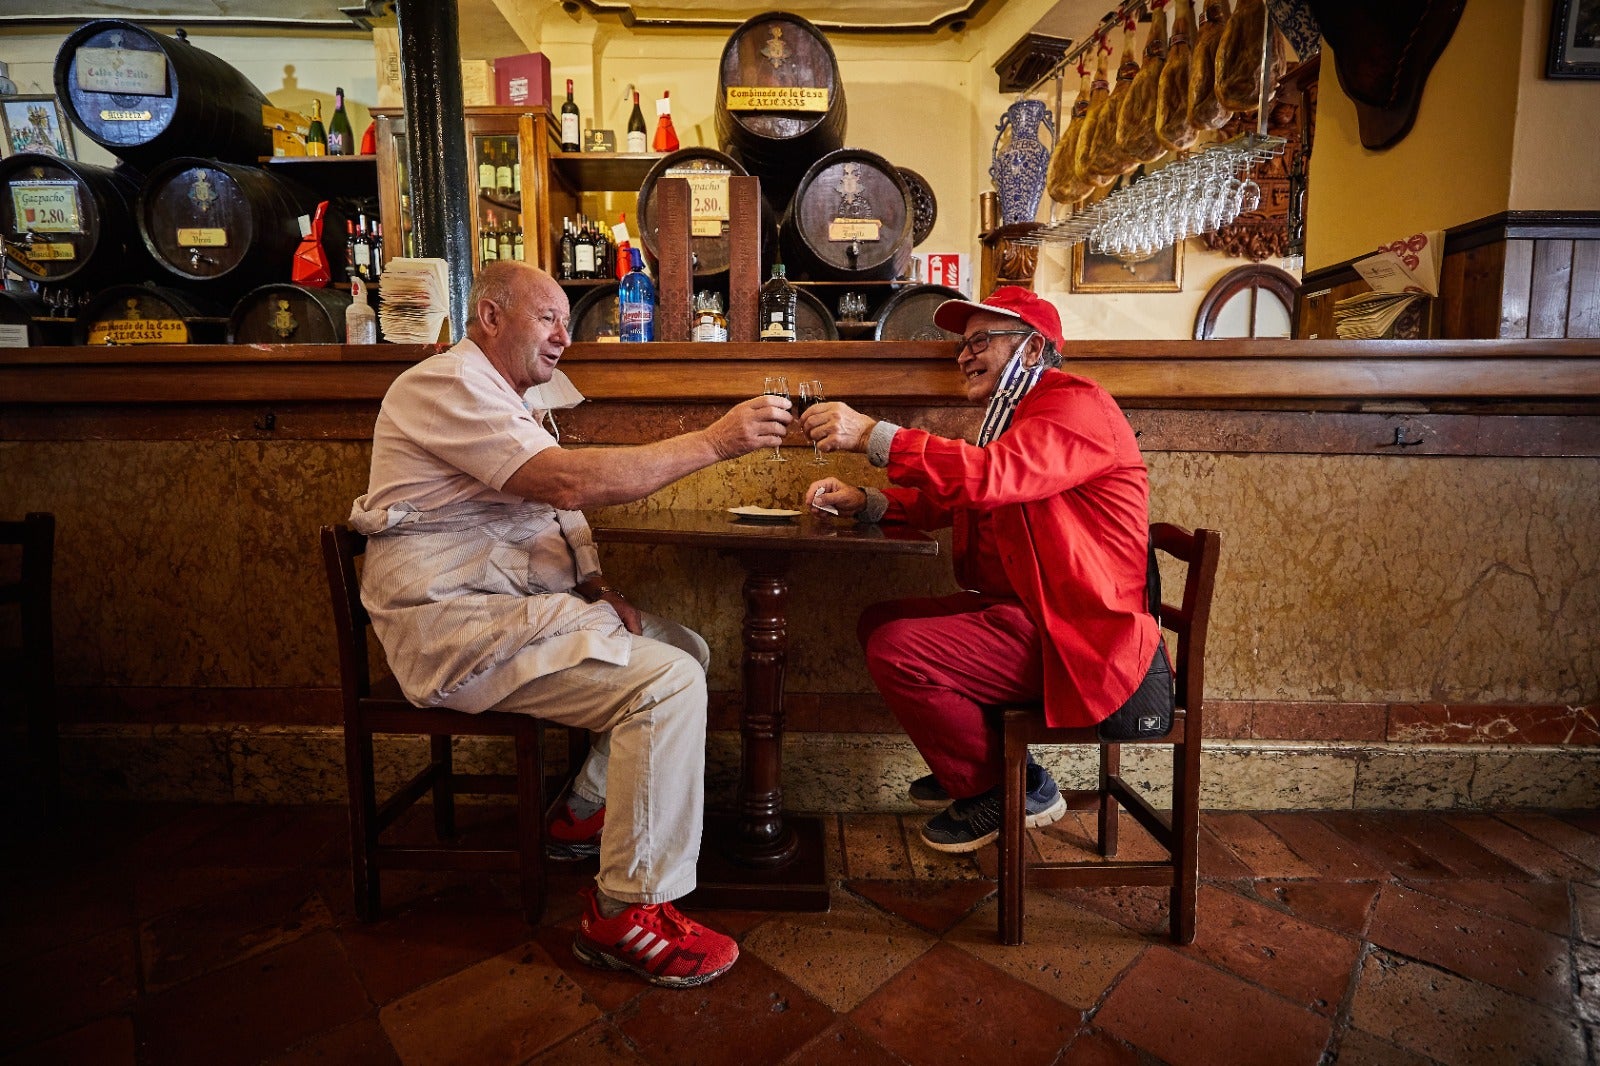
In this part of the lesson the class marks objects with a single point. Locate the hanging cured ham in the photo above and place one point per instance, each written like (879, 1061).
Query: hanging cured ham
(1239, 57)
(1136, 123)
(1205, 112)
(1099, 100)
(1107, 160)
(1064, 184)
(1172, 101)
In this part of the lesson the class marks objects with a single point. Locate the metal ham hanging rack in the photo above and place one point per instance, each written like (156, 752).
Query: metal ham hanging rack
(1199, 192)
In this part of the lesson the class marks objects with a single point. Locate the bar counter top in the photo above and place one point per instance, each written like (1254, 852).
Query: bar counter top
(1138, 373)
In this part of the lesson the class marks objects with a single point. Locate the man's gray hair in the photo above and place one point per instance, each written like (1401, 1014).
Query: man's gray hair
(495, 285)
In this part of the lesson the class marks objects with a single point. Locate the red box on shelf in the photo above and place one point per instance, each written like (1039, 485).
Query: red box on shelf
(522, 81)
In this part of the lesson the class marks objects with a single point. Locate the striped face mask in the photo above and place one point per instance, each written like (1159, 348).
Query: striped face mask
(1015, 381)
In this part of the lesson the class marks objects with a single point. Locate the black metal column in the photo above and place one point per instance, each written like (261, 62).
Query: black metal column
(436, 142)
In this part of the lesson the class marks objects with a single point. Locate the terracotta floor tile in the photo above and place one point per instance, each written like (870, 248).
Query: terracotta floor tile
(874, 847)
(1581, 844)
(255, 1009)
(1588, 911)
(505, 1009)
(1455, 1021)
(931, 865)
(750, 1014)
(1512, 844)
(182, 945)
(1459, 853)
(44, 908)
(1218, 861)
(593, 1045)
(949, 1007)
(1345, 907)
(361, 1043)
(1375, 835)
(431, 939)
(1306, 964)
(839, 957)
(107, 1042)
(1143, 910)
(1095, 1047)
(66, 987)
(1360, 1048)
(1185, 1011)
(1329, 854)
(610, 990)
(842, 1045)
(1068, 953)
(1477, 946)
(1261, 850)
(934, 906)
(1541, 904)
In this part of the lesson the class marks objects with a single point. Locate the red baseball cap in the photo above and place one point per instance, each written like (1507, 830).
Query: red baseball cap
(1013, 301)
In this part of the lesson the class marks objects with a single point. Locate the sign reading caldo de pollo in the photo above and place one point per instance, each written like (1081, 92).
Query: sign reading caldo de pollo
(46, 207)
(776, 98)
(120, 70)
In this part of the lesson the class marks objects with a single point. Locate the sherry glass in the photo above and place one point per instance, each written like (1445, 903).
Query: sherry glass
(777, 385)
(811, 393)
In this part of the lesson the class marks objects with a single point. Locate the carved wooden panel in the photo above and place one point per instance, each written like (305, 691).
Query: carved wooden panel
(1262, 233)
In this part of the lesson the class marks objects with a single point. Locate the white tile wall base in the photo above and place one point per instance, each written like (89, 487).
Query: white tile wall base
(845, 772)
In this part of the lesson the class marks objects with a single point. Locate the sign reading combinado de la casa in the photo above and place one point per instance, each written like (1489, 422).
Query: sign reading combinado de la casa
(139, 331)
(776, 98)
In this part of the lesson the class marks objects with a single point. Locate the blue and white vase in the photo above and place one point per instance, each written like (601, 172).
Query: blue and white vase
(1019, 169)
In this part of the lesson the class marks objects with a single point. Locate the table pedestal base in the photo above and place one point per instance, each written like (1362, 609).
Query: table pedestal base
(725, 883)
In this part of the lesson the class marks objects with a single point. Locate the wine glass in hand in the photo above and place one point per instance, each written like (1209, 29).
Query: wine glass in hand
(811, 393)
(776, 386)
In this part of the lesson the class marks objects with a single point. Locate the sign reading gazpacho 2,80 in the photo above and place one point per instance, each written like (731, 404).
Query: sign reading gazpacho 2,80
(45, 207)
(122, 70)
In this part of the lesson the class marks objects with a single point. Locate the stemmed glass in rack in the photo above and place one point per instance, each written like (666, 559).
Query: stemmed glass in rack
(811, 393)
(776, 385)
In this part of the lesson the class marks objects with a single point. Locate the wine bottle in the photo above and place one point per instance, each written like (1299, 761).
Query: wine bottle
(569, 123)
(377, 249)
(666, 138)
(316, 136)
(362, 249)
(341, 138)
(778, 300)
(502, 171)
(485, 166)
(567, 268)
(636, 303)
(516, 168)
(503, 240)
(638, 135)
(583, 251)
(518, 251)
(350, 271)
(488, 244)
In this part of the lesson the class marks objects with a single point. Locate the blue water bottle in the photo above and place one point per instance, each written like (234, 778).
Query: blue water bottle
(636, 299)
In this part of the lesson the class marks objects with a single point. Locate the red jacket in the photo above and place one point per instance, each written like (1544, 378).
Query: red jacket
(1069, 496)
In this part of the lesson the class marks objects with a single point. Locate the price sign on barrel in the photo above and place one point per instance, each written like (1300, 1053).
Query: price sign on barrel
(46, 206)
(708, 200)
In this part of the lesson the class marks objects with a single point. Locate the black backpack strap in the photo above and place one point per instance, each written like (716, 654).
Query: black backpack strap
(1152, 581)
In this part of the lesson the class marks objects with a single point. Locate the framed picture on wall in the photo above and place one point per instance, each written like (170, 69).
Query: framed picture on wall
(1097, 272)
(1574, 40)
(34, 124)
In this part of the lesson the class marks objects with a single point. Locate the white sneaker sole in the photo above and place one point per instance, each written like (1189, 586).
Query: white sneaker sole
(604, 960)
(1053, 813)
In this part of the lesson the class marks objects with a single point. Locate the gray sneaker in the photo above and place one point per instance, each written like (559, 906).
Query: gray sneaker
(969, 824)
(927, 794)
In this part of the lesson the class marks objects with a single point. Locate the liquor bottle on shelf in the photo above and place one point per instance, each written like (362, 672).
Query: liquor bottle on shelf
(569, 123)
(636, 303)
(583, 252)
(361, 249)
(350, 271)
(502, 170)
(566, 267)
(360, 321)
(666, 138)
(503, 240)
(377, 249)
(777, 307)
(638, 135)
(341, 139)
(488, 243)
(485, 166)
(710, 324)
(316, 136)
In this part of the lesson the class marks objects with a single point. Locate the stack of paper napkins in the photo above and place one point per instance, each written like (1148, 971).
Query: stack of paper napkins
(414, 300)
(1372, 315)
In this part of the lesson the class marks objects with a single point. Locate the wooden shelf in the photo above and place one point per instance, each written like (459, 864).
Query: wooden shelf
(292, 161)
(604, 171)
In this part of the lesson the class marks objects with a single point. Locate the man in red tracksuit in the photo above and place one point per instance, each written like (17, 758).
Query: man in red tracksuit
(1050, 517)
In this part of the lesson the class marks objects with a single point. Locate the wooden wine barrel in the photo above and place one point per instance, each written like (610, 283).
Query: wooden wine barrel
(289, 314)
(812, 320)
(228, 226)
(595, 314)
(908, 314)
(25, 313)
(775, 134)
(146, 97)
(850, 219)
(71, 223)
(712, 253)
(924, 205)
(146, 314)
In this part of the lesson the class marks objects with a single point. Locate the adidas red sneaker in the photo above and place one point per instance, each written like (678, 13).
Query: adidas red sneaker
(567, 837)
(655, 941)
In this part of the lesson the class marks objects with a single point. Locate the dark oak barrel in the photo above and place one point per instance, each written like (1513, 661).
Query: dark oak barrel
(850, 219)
(71, 223)
(924, 205)
(28, 310)
(908, 314)
(774, 142)
(711, 250)
(228, 226)
(595, 314)
(146, 314)
(146, 97)
(812, 320)
(289, 314)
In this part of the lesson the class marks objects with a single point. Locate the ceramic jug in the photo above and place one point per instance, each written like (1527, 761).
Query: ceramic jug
(1020, 168)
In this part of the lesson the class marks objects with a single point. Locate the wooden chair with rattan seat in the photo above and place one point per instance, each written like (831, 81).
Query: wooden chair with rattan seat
(30, 664)
(1178, 832)
(372, 708)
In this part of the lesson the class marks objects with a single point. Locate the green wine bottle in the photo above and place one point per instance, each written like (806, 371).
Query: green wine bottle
(341, 138)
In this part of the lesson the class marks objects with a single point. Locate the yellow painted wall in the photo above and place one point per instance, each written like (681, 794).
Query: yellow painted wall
(1555, 155)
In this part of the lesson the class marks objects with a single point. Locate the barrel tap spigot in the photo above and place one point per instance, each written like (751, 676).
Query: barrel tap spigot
(853, 251)
(195, 258)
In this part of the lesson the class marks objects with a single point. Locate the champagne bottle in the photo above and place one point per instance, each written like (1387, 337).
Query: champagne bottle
(485, 166)
(569, 123)
(777, 307)
(666, 139)
(502, 171)
(316, 136)
(638, 136)
(341, 138)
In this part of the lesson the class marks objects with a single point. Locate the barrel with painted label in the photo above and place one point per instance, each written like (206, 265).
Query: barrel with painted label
(780, 102)
(228, 227)
(908, 314)
(146, 97)
(148, 314)
(707, 171)
(289, 314)
(70, 223)
(851, 219)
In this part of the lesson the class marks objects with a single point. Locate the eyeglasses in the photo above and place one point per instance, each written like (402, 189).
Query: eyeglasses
(979, 341)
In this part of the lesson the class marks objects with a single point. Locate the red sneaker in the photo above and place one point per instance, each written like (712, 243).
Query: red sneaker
(655, 941)
(567, 837)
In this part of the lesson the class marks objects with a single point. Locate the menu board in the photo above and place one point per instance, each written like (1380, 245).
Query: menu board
(46, 207)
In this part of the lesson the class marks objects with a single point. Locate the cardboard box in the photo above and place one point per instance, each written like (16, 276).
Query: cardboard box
(289, 129)
(477, 75)
(522, 81)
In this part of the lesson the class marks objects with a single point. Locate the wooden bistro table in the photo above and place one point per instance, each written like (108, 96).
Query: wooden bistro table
(756, 858)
